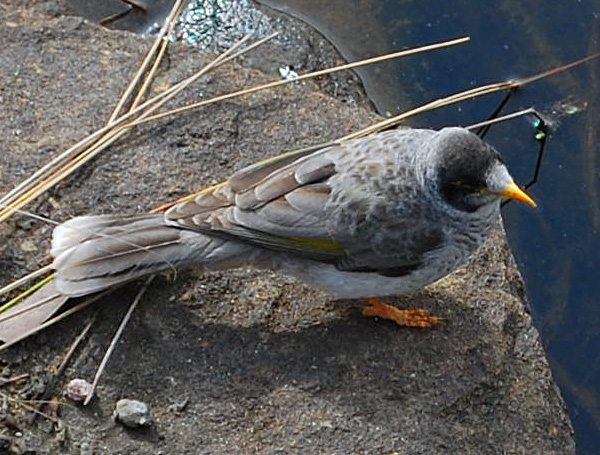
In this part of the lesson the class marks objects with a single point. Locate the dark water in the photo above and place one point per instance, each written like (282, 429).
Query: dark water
(557, 246)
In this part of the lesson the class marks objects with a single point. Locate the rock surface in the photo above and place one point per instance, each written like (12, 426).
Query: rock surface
(264, 364)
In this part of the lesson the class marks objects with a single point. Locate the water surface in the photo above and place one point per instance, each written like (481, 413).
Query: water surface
(558, 246)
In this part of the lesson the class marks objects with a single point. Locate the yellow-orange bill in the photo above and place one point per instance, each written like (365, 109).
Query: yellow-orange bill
(513, 191)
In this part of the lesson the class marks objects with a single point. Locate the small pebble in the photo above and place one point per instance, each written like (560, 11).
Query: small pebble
(28, 246)
(78, 389)
(180, 406)
(24, 223)
(85, 449)
(132, 413)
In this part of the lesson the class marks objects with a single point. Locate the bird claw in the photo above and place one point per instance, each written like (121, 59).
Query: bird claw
(406, 318)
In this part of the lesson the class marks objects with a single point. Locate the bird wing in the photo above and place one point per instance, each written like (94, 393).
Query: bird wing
(284, 204)
(279, 203)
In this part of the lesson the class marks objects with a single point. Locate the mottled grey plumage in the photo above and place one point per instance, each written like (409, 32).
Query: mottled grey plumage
(380, 215)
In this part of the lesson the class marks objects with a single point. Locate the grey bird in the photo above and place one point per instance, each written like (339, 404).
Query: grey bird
(381, 215)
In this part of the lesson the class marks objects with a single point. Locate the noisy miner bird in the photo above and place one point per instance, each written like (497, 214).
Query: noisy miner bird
(381, 215)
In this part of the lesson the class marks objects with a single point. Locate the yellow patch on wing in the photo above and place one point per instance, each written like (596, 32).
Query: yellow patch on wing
(318, 244)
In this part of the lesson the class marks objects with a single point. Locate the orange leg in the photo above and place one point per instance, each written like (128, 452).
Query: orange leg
(406, 318)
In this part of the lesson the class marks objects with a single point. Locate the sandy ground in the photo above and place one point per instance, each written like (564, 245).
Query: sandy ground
(263, 364)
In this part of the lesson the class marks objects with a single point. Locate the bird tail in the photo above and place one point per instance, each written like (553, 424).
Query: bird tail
(93, 253)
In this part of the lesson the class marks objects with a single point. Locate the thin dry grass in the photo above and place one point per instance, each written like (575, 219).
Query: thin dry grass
(142, 112)
(76, 156)
(115, 339)
(117, 125)
(54, 320)
(435, 104)
(73, 158)
(86, 149)
(153, 57)
(311, 75)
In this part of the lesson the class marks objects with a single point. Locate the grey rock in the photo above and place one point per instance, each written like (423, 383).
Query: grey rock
(133, 413)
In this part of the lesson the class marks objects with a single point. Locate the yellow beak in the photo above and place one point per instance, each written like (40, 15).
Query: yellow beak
(513, 191)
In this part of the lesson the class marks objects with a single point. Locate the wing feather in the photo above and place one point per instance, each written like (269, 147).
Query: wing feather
(279, 204)
(249, 176)
(284, 204)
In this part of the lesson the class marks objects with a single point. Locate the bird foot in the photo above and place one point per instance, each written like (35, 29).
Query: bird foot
(406, 318)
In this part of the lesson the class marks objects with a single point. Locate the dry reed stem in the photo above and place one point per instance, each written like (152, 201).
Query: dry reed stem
(503, 118)
(150, 77)
(160, 40)
(28, 189)
(111, 136)
(435, 104)
(76, 342)
(460, 96)
(40, 284)
(136, 5)
(32, 409)
(116, 337)
(15, 284)
(65, 156)
(159, 57)
(53, 377)
(55, 319)
(487, 89)
(472, 93)
(310, 75)
(27, 184)
(29, 308)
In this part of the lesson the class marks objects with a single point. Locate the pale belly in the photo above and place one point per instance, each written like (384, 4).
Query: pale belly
(347, 285)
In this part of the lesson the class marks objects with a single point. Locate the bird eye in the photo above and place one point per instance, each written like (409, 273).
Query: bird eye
(471, 187)
(465, 185)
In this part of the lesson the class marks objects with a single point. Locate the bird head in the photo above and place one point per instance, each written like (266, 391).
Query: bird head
(471, 174)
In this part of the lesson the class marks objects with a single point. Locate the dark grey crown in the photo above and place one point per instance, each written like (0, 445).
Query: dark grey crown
(464, 161)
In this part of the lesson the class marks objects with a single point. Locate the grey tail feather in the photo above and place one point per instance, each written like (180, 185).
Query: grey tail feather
(29, 313)
(93, 253)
